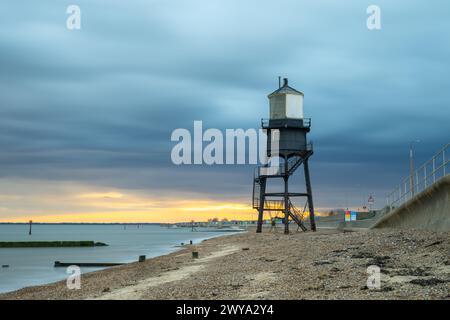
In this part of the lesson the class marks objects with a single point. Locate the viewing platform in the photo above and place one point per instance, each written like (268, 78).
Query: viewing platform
(304, 123)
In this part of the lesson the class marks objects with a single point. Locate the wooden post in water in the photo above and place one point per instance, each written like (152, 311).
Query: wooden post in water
(31, 223)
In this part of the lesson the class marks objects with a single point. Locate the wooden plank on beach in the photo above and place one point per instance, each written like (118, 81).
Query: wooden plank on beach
(86, 264)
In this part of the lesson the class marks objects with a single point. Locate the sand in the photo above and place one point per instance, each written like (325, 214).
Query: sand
(137, 291)
(328, 264)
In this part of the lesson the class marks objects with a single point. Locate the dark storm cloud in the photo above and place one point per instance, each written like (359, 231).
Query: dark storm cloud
(98, 105)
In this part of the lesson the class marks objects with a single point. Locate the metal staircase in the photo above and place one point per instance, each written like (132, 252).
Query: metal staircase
(263, 172)
(294, 162)
(256, 192)
(297, 215)
(277, 205)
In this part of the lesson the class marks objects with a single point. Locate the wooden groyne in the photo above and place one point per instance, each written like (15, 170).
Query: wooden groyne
(50, 244)
(86, 264)
(57, 264)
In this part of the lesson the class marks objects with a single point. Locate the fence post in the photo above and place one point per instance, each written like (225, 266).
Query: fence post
(434, 169)
(406, 192)
(443, 160)
(417, 181)
(425, 174)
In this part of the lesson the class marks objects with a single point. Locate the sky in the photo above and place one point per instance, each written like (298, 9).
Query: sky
(86, 115)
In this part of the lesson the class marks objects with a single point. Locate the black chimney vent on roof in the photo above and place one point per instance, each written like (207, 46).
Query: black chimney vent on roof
(285, 82)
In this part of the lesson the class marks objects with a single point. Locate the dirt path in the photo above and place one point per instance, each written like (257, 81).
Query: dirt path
(137, 291)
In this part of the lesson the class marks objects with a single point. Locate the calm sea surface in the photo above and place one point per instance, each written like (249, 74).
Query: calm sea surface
(34, 266)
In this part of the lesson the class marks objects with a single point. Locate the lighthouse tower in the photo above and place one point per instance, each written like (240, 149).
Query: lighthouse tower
(288, 125)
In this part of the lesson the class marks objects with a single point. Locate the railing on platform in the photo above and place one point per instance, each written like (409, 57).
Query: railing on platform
(427, 174)
(306, 123)
(275, 205)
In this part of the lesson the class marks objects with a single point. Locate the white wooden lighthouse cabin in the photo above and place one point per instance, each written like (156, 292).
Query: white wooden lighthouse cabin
(286, 115)
(286, 103)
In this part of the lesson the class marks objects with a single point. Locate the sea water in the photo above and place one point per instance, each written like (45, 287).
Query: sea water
(34, 266)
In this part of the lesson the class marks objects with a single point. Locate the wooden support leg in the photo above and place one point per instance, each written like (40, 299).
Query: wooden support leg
(286, 198)
(262, 192)
(310, 199)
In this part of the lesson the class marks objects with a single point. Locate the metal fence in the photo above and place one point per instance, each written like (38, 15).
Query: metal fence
(427, 174)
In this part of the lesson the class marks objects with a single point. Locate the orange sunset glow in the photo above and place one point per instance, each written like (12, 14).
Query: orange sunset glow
(57, 202)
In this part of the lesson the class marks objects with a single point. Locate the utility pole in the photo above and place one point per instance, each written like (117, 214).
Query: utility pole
(31, 223)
